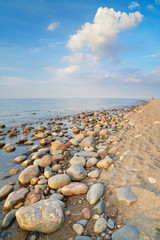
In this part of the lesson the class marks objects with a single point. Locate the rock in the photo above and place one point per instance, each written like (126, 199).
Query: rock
(45, 161)
(87, 154)
(14, 171)
(10, 148)
(128, 232)
(42, 181)
(36, 162)
(48, 173)
(20, 159)
(8, 218)
(34, 181)
(57, 145)
(41, 186)
(2, 126)
(78, 228)
(94, 174)
(95, 193)
(40, 128)
(102, 152)
(57, 196)
(2, 144)
(99, 207)
(112, 139)
(78, 160)
(14, 198)
(44, 216)
(88, 142)
(77, 172)
(28, 173)
(46, 141)
(82, 238)
(86, 213)
(28, 143)
(26, 163)
(105, 163)
(34, 196)
(80, 136)
(113, 150)
(103, 133)
(83, 222)
(76, 142)
(38, 154)
(33, 236)
(4, 191)
(110, 224)
(100, 226)
(75, 189)
(58, 181)
(56, 167)
(91, 162)
(57, 158)
(125, 194)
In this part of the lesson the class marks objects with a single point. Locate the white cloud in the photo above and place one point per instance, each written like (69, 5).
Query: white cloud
(151, 7)
(152, 55)
(80, 57)
(134, 80)
(103, 31)
(62, 73)
(52, 26)
(13, 81)
(133, 4)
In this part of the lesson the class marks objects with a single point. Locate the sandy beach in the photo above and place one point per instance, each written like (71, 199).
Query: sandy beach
(126, 146)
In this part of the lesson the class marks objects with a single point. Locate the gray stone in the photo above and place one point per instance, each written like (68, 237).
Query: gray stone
(82, 238)
(4, 191)
(78, 228)
(58, 181)
(91, 162)
(88, 142)
(44, 216)
(125, 194)
(77, 172)
(83, 222)
(100, 226)
(99, 207)
(110, 224)
(87, 154)
(95, 193)
(78, 160)
(57, 196)
(128, 232)
(8, 218)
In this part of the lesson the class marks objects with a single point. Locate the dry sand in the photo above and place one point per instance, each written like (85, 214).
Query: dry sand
(140, 169)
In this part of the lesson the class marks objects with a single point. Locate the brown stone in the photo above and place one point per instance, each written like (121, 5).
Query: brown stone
(74, 189)
(28, 173)
(45, 161)
(34, 196)
(86, 213)
(57, 145)
(46, 141)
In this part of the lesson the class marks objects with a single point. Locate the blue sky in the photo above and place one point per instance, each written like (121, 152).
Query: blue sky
(85, 48)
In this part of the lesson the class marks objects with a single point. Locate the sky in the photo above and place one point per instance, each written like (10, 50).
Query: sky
(79, 49)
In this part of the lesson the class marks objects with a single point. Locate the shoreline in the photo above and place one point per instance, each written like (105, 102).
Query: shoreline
(124, 132)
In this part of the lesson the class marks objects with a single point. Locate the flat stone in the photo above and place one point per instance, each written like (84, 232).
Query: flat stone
(95, 193)
(125, 194)
(91, 162)
(78, 160)
(41, 135)
(26, 163)
(58, 181)
(14, 198)
(105, 163)
(87, 154)
(83, 222)
(35, 148)
(102, 152)
(113, 150)
(128, 232)
(28, 173)
(94, 174)
(4, 191)
(8, 218)
(112, 139)
(46, 141)
(20, 159)
(75, 189)
(44, 216)
(88, 142)
(78, 228)
(100, 226)
(77, 172)
(99, 207)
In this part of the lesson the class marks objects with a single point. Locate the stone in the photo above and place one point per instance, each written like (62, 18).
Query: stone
(80, 136)
(20, 159)
(2, 144)
(40, 128)
(14, 171)
(10, 148)
(113, 151)
(94, 174)
(8, 218)
(78, 160)
(58, 181)
(56, 167)
(103, 133)
(36, 162)
(28, 143)
(26, 163)
(35, 148)
(78, 228)
(105, 163)
(95, 193)
(77, 172)
(4, 191)
(100, 226)
(57, 196)
(33, 236)
(48, 173)
(87, 154)
(57, 158)
(88, 142)
(27, 174)
(128, 232)
(112, 139)
(34, 181)
(82, 238)
(34, 196)
(57, 145)
(83, 222)
(110, 224)
(91, 162)
(44, 216)
(14, 198)
(99, 207)
(41, 186)
(102, 152)
(46, 141)
(74, 189)
(45, 161)
(86, 213)
(125, 194)
(38, 154)
(42, 181)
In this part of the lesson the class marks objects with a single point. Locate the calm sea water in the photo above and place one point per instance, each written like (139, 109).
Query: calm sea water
(15, 111)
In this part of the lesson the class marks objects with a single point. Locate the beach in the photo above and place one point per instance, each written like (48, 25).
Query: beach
(117, 157)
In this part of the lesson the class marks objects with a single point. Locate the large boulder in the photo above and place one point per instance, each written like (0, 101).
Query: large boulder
(28, 173)
(44, 216)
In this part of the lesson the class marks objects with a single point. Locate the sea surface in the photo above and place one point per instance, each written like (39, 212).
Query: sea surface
(16, 111)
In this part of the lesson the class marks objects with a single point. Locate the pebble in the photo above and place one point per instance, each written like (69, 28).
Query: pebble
(99, 207)
(95, 193)
(74, 189)
(58, 181)
(126, 232)
(67, 213)
(33, 236)
(77, 172)
(8, 218)
(5, 190)
(87, 154)
(100, 226)
(78, 160)
(125, 194)
(86, 213)
(105, 163)
(83, 222)
(111, 224)
(78, 228)
(91, 162)
(82, 238)
(88, 142)
(94, 173)
(14, 171)
(28, 173)
(95, 216)
(57, 196)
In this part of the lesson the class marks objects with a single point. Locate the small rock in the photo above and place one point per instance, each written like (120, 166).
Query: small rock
(78, 228)
(14, 171)
(99, 207)
(110, 224)
(4, 191)
(94, 174)
(82, 238)
(78, 160)
(112, 139)
(58, 181)
(100, 226)
(87, 154)
(28, 173)
(91, 162)
(126, 232)
(57, 145)
(77, 172)
(45, 161)
(86, 213)
(34, 196)
(95, 193)
(125, 194)
(105, 163)
(57, 196)
(20, 159)
(83, 222)
(8, 218)
(74, 189)
(88, 142)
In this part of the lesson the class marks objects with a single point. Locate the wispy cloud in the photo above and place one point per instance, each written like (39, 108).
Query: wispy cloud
(9, 69)
(150, 7)
(133, 5)
(79, 57)
(52, 26)
(13, 81)
(152, 55)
